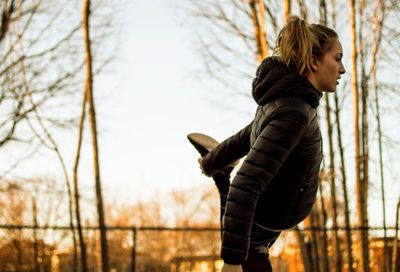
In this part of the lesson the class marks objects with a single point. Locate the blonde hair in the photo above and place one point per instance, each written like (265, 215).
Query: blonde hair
(298, 42)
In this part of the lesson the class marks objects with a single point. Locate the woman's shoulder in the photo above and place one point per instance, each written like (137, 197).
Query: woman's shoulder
(289, 104)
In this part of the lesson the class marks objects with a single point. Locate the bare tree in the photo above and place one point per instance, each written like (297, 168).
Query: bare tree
(20, 24)
(92, 116)
(82, 242)
(35, 240)
(305, 256)
(40, 37)
(331, 172)
(331, 178)
(322, 218)
(53, 146)
(232, 41)
(379, 15)
(369, 55)
(316, 242)
(48, 137)
(349, 242)
(258, 18)
(342, 168)
(287, 9)
(6, 17)
(263, 38)
(360, 189)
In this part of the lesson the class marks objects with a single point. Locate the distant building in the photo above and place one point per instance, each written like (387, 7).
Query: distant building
(377, 251)
(209, 263)
(19, 255)
(290, 258)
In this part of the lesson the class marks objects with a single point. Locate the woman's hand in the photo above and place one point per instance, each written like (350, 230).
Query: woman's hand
(231, 268)
(200, 160)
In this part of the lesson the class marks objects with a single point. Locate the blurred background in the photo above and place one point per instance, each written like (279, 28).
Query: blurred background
(97, 97)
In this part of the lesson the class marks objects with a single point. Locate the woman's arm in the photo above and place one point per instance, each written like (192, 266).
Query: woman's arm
(227, 152)
(270, 150)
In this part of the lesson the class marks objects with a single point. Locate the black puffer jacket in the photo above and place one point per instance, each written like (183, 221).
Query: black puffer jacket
(276, 185)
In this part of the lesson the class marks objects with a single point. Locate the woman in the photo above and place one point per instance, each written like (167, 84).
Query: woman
(276, 185)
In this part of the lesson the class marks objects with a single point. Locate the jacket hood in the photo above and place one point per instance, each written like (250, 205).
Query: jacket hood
(274, 80)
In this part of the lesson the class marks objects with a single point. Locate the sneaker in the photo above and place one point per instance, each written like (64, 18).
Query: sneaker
(204, 144)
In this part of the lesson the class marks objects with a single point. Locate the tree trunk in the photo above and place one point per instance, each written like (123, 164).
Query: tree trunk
(92, 116)
(349, 243)
(82, 243)
(6, 18)
(364, 155)
(364, 173)
(375, 48)
(258, 19)
(337, 258)
(35, 239)
(331, 176)
(324, 240)
(359, 186)
(286, 9)
(314, 241)
(263, 36)
(305, 256)
(379, 131)
(19, 254)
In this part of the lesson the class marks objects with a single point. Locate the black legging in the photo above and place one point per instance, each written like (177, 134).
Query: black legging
(261, 239)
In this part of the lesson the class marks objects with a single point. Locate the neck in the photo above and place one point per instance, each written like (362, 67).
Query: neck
(313, 81)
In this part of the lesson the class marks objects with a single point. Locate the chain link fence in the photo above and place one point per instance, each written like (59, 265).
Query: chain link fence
(163, 249)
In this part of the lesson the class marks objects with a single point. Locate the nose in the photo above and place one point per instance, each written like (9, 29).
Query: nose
(342, 70)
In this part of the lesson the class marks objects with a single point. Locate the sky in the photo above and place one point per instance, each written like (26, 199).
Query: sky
(156, 101)
(147, 100)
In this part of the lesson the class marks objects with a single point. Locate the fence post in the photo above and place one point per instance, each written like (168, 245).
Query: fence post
(35, 239)
(133, 254)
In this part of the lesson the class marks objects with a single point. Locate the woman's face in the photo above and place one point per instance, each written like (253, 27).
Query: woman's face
(329, 68)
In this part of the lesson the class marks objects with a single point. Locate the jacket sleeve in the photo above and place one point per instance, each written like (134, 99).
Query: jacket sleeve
(269, 151)
(227, 152)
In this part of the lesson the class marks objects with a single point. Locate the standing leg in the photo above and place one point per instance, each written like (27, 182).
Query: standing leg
(222, 181)
(258, 258)
(257, 263)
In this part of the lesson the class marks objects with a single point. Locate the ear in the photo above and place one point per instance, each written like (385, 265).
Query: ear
(314, 64)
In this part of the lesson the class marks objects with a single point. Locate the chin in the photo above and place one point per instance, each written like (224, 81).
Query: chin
(331, 89)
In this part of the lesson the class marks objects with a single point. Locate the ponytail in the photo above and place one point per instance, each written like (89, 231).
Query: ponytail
(298, 42)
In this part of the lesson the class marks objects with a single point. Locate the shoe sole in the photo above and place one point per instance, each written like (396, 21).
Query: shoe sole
(202, 142)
